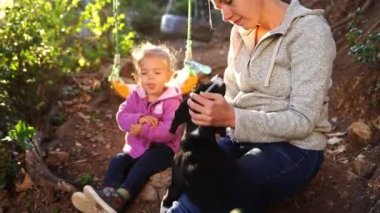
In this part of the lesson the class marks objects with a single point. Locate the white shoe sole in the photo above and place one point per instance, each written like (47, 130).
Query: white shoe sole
(92, 196)
(81, 203)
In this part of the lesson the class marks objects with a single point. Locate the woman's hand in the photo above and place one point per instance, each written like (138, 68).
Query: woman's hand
(211, 109)
(148, 119)
(136, 129)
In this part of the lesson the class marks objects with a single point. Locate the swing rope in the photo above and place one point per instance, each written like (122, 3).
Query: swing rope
(189, 52)
(115, 74)
(190, 65)
(187, 77)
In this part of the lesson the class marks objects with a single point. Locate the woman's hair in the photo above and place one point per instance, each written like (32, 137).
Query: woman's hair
(147, 49)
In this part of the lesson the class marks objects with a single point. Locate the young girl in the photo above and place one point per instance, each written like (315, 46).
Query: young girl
(146, 117)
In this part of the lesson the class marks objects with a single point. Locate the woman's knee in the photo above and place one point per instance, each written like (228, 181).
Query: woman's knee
(184, 205)
(228, 147)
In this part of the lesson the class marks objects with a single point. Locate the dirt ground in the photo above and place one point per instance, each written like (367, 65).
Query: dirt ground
(349, 180)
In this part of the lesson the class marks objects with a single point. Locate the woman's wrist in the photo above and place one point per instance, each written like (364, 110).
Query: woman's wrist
(231, 120)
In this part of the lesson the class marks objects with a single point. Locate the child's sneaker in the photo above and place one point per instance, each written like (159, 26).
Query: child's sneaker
(107, 199)
(82, 204)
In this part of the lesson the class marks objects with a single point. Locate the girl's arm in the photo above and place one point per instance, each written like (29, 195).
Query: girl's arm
(127, 114)
(161, 133)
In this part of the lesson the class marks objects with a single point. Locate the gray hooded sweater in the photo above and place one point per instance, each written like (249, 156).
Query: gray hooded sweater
(279, 87)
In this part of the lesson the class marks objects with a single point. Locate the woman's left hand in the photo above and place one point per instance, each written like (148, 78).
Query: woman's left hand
(211, 109)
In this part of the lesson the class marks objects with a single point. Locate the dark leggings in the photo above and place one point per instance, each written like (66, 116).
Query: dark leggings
(132, 173)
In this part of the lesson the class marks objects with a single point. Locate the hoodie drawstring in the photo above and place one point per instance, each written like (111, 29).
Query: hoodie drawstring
(273, 59)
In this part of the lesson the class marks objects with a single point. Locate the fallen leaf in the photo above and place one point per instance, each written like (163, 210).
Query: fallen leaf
(25, 185)
(334, 140)
(338, 150)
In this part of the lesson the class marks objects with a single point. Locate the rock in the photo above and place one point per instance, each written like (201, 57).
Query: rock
(85, 118)
(161, 179)
(78, 144)
(362, 167)
(351, 176)
(162, 192)
(361, 129)
(359, 136)
(109, 114)
(100, 138)
(149, 193)
(153, 191)
(376, 123)
(374, 184)
(344, 194)
(56, 158)
(108, 145)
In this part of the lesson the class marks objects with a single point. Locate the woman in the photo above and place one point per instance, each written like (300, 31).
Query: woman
(275, 107)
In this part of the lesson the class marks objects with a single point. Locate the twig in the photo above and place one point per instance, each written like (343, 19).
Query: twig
(42, 176)
(83, 88)
(340, 23)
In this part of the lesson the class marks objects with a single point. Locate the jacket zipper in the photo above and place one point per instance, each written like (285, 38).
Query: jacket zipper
(258, 43)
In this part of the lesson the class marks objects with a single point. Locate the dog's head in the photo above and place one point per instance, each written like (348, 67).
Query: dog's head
(182, 115)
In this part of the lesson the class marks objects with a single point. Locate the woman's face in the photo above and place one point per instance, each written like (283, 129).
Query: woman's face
(244, 13)
(153, 75)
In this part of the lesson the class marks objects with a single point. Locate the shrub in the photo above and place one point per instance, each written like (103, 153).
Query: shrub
(366, 47)
(18, 138)
(43, 41)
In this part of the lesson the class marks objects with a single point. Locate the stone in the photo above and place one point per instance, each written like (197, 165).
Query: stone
(149, 193)
(361, 129)
(57, 158)
(362, 167)
(351, 176)
(152, 192)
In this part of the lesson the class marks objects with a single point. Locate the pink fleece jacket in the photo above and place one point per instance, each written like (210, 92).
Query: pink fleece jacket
(163, 108)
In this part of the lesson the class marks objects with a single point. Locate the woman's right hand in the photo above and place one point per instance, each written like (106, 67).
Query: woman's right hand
(148, 119)
(211, 109)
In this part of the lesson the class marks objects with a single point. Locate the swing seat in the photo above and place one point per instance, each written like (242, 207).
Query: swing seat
(123, 90)
(176, 26)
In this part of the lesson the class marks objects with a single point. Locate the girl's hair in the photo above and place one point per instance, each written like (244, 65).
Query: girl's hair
(149, 49)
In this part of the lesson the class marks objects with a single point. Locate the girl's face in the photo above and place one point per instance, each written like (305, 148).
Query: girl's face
(244, 13)
(153, 75)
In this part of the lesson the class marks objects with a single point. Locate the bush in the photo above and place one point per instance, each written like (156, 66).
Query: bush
(43, 41)
(19, 139)
(366, 48)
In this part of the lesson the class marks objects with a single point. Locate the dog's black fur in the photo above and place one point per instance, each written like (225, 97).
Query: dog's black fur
(202, 169)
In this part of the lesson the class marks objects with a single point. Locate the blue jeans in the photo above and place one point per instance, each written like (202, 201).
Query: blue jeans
(275, 171)
(132, 173)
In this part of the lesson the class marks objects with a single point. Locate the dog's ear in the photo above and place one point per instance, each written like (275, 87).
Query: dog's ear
(216, 85)
(201, 87)
(181, 116)
(221, 89)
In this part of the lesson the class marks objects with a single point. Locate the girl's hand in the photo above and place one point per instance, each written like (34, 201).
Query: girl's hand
(211, 109)
(148, 119)
(136, 129)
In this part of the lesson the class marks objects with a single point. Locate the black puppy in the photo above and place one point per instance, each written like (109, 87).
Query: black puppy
(201, 169)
